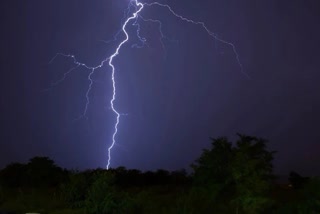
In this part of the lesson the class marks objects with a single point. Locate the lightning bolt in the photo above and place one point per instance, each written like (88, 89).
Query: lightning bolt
(136, 15)
(140, 5)
(204, 26)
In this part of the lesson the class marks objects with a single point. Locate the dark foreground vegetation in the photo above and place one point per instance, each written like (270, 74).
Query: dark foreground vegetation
(227, 178)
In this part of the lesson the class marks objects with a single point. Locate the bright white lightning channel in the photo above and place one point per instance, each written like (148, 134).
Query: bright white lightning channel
(113, 80)
(138, 8)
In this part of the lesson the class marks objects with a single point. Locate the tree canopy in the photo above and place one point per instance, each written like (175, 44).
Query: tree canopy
(242, 169)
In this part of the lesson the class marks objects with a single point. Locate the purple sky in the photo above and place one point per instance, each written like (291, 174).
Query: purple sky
(175, 98)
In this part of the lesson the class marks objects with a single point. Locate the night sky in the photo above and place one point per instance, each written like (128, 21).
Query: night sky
(174, 98)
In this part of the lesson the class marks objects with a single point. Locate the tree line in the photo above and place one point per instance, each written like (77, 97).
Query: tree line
(230, 177)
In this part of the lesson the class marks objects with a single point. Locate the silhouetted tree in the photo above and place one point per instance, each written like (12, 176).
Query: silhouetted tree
(252, 172)
(42, 172)
(13, 175)
(308, 200)
(179, 177)
(148, 178)
(74, 191)
(103, 198)
(241, 173)
(134, 177)
(162, 177)
(212, 170)
(311, 195)
(296, 180)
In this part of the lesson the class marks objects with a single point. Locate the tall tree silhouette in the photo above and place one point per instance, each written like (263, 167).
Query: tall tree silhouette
(42, 171)
(241, 172)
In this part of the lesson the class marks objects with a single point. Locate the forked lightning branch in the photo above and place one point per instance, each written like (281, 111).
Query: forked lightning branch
(132, 16)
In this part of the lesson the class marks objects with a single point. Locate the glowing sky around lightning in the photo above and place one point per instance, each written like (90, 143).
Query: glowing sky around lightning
(176, 85)
(135, 16)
